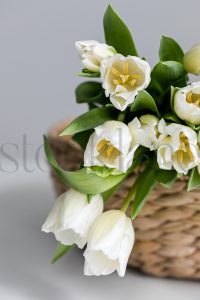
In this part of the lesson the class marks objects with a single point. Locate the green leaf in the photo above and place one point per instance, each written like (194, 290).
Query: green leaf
(166, 177)
(117, 34)
(103, 171)
(170, 50)
(90, 120)
(144, 101)
(80, 180)
(90, 92)
(193, 126)
(170, 116)
(60, 251)
(194, 180)
(89, 74)
(89, 197)
(172, 95)
(165, 74)
(82, 138)
(145, 184)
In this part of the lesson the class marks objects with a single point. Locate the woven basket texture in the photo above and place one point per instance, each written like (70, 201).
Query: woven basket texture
(168, 227)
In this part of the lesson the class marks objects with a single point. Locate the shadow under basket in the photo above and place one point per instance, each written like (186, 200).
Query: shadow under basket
(168, 228)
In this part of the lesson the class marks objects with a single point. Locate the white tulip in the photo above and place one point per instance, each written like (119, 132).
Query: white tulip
(144, 130)
(71, 217)
(83, 47)
(187, 103)
(177, 147)
(111, 145)
(92, 53)
(192, 60)
(110, 242)
(123, 77)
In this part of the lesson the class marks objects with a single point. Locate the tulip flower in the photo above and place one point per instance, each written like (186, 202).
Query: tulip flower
(187, 103)
(72, 216)
(92, 53)
(123, 77)
(177, 147)
(112, 146)
(110, 242)
(192, 60)
(144, 130)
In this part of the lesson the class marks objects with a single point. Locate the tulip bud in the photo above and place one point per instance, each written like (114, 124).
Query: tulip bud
(71, 217)
(192, 60)
(92, 53)
(110, 242)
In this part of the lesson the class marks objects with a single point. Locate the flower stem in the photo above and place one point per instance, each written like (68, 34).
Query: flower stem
(121, 117)
(129, 197)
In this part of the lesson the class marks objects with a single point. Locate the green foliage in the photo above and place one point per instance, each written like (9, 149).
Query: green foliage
(172, 95)
(89, 197)
(82, 138)
(61, 250)
(90, 92)
(170, 50)
(193, 126)
(146, 183)
(117, 34)
(172, 117)
(103, 171)
(144, 101)
(166, 177)
(90, 120)
(89, 74)
(194, 180)
(165, 74)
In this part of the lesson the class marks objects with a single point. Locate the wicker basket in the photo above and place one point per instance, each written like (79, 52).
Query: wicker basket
(167, 229)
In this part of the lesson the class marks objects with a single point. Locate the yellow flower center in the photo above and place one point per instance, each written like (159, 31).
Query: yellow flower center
(193, 98)
(124, 78)
(184, 151)
(107, 151)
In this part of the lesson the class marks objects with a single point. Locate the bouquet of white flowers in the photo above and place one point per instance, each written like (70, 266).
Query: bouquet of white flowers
(137, 116)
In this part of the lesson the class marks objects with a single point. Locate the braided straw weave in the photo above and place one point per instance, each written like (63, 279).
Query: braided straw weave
(168, 228)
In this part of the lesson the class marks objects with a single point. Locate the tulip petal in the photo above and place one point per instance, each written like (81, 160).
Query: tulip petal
(110, 242)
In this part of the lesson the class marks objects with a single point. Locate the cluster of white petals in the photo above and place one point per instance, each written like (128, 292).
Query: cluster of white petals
(109, 235)
(144, 130)
(187, 103)
(71, 217)
(110, 242)
(177, 147)
(111, 145)
(92, 53)
(123, 77)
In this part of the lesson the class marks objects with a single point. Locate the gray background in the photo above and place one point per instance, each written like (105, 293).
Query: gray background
(38, 66)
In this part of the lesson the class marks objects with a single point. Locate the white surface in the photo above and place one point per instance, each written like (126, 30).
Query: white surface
(25, 253)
